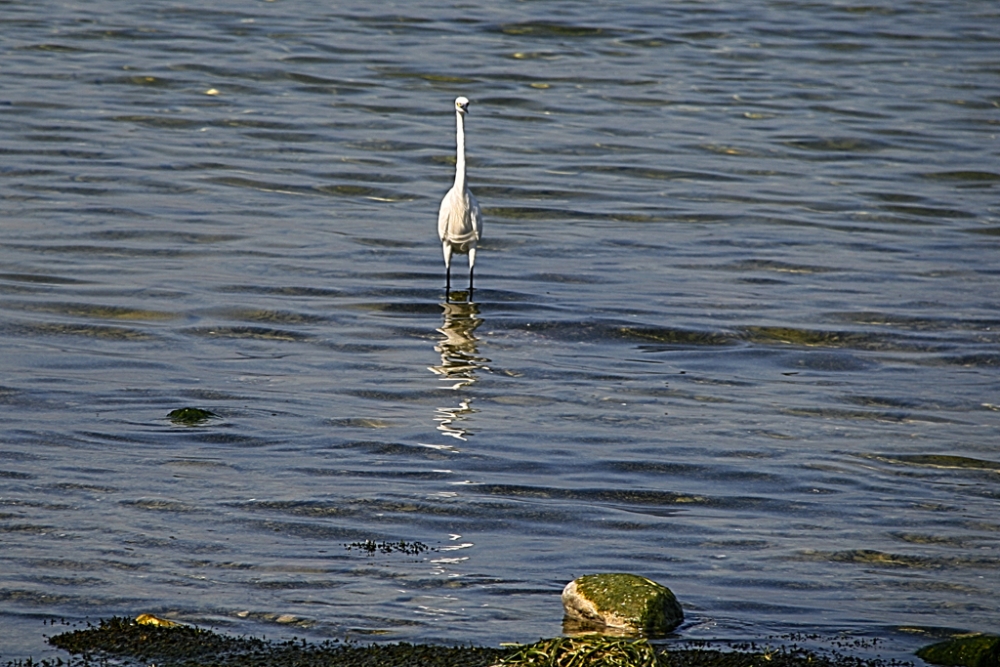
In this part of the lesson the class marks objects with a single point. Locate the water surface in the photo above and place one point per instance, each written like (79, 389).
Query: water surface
(735, 326)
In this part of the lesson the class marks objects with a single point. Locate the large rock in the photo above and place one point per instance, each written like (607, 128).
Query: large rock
(623, 602)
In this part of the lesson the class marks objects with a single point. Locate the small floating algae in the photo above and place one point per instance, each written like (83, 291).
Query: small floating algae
(190, 416)
(403, 547)
(944, 461)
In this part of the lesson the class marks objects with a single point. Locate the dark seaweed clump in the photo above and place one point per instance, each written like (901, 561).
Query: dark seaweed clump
(751, 655)
(370, 547)
(122, 641)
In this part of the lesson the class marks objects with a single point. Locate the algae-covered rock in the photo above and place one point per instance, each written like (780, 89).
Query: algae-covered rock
(622, 601)
(967, 651)
(190, 416)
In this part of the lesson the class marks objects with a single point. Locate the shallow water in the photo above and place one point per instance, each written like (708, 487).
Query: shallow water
(735, 325)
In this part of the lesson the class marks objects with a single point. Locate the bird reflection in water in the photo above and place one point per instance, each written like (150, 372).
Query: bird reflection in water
(460, 360)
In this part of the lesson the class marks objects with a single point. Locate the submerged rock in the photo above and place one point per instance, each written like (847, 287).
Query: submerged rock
(190, 416)
(965, 651)
(622, 601)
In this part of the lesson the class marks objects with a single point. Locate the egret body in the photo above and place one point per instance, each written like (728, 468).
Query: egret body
(460, 222)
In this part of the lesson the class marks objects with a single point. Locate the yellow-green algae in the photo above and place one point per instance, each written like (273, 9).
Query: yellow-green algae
(642, 603)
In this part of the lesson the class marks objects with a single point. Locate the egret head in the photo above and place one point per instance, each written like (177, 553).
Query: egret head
(462, 105)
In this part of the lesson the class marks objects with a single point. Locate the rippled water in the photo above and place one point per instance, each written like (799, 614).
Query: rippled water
(735, 326)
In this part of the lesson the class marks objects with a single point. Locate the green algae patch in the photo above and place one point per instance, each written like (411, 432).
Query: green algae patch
(149, 643)
(622, 601)
(594, 651)
(682, 337)
(190, 416)
(945, 461)
(807, 338)
(965, 651)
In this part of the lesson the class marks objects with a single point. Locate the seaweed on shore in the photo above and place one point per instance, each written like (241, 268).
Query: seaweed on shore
(125, 642)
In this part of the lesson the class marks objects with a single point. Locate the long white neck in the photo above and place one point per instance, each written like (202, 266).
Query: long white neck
(460, 153)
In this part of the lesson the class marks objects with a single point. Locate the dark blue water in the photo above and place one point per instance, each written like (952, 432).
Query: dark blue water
(735, 326)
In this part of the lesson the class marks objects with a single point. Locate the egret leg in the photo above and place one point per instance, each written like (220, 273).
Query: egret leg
(446, 249)
(472, 265)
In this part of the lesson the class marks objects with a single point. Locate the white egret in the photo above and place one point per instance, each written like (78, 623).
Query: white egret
(460, 222)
